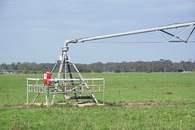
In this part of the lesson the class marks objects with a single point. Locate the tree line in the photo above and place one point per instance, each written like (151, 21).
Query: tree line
(99, 67)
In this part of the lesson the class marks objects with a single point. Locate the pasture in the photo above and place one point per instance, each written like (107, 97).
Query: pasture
(133, 101)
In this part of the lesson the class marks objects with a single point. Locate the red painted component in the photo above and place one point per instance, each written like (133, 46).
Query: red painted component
(47, 76)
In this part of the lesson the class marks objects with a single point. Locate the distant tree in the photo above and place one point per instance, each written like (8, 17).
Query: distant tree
(138, 66)
(3, 67)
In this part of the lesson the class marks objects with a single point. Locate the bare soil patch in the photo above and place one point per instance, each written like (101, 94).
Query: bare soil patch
(89, 104)
(154, 104)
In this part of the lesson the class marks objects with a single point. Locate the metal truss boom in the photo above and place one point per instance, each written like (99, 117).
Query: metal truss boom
(158, 29)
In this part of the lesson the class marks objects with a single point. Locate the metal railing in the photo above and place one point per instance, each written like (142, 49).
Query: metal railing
(65, 86)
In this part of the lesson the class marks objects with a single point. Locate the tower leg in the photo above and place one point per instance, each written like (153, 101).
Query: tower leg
(86, 85)
(70, 74)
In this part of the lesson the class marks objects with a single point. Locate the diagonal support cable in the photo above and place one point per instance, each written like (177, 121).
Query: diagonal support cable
(173, 36)
(162, 36)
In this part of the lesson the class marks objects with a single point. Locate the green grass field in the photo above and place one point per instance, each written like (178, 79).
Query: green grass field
(133, 101)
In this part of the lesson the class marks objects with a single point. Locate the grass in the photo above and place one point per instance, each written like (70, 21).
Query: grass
(127, 87)
(98, 118)
(169, 103)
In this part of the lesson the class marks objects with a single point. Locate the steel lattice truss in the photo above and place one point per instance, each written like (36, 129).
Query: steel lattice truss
(160, 30)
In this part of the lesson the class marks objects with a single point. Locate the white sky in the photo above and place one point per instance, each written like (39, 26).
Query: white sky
(34, 30)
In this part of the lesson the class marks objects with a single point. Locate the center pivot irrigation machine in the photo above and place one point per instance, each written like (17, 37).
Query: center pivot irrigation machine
(69, 81)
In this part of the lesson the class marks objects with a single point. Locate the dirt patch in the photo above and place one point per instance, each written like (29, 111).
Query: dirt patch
(188, 86)
(168, 93)
(154, 104)
(88, 104)
(140, 104)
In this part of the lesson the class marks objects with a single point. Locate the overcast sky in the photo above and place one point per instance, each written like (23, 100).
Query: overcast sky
(35, 30)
